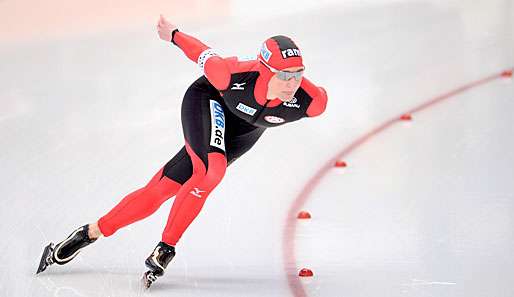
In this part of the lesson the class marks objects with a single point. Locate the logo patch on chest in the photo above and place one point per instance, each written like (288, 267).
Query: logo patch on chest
(293, 103)
(238, 86)
(246, 109)
(274, 119)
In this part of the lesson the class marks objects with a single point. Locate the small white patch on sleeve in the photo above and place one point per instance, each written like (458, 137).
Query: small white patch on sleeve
(245, 58)
(204, 56)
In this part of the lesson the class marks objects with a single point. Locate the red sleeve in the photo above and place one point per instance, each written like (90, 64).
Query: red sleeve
(237, 65)
(215, 68)
(191, 46)
(318, 95)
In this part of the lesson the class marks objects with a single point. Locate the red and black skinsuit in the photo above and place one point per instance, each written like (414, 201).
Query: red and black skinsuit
(223, 114)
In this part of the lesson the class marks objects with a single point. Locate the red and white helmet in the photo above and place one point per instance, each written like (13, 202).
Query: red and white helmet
(280, 52)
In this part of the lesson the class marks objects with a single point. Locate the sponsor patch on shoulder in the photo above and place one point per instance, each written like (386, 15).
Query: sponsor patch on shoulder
(245, 58)
(246, 109)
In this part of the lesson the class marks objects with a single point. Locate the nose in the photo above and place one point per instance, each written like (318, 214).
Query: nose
(289, 86)
(291, 83)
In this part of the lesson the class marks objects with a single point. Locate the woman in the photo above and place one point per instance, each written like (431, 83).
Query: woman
(224, 113)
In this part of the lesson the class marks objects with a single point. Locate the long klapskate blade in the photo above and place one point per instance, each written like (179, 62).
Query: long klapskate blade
(42, 263)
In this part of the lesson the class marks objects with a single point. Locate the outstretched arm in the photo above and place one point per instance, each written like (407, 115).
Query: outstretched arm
(213, 66)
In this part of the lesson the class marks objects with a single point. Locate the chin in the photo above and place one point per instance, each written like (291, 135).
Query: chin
(286, 98)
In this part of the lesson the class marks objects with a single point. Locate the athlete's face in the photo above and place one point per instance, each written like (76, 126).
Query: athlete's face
(285, 89)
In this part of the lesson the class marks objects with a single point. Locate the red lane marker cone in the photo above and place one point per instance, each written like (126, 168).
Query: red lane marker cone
(507, 73)
(341, 164)
(304, 215)
(406, 117)
(305, 272)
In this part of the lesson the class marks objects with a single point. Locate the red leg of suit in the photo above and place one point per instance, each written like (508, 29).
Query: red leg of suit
(191, 197)
(138, 204)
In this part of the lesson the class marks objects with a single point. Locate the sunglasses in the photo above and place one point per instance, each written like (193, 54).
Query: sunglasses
(285, 75)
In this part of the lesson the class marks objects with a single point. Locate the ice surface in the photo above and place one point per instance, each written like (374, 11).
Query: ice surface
(424, 208)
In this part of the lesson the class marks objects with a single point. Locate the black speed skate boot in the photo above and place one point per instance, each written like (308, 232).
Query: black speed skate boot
(157, 262)
(66, 250)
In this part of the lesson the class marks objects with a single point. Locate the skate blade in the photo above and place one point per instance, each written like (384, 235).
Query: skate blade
(148, 279)
(46, 253)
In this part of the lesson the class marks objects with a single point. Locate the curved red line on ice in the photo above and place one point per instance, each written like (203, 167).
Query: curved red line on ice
(290, 264)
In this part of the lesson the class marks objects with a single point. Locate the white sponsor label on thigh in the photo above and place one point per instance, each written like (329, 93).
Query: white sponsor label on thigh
(217, 125)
